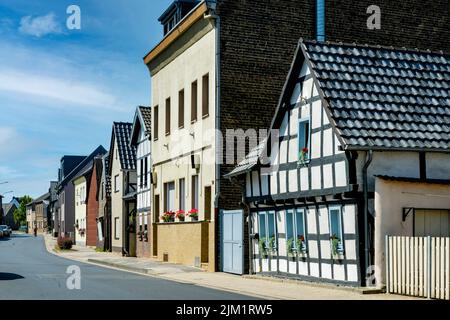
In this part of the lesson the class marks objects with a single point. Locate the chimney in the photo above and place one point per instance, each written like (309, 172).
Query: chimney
(320, 20)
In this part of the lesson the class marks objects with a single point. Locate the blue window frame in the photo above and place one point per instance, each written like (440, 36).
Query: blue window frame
(304, 145)
(336, 230)
(296, 230)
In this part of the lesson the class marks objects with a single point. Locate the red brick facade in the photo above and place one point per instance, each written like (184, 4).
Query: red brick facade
(92, 209)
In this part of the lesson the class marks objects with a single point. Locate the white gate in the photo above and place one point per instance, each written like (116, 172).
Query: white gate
(418, 266)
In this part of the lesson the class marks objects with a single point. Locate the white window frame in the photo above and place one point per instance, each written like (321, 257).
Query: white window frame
(302, 120)
(295, 232)
(266, 215)
(341, 247)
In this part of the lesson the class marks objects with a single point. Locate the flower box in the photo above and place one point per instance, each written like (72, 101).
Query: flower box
(169, 216)
(193, 214)
(180, 216)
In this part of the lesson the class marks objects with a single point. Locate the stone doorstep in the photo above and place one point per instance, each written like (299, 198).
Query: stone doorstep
(361, 290)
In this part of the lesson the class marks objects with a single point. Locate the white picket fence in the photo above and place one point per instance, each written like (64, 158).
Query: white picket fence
(418, 266)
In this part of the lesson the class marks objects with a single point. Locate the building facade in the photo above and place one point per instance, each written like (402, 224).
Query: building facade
(80, 182)
(141, 140)
(122, 169)
(104, 206)
(222, 66)
(93, 226)
(354, 148)
(70, 168)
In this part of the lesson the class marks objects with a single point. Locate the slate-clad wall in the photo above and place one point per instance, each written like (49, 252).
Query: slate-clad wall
(258, 40)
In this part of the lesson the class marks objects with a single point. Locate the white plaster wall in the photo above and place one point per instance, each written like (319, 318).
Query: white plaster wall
(390, 198)
(80, 209)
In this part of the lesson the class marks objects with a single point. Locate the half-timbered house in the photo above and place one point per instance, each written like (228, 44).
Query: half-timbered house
(352, 121)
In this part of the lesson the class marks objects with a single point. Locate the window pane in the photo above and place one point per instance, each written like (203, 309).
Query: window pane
(303, 136)
(262, 225)
(335, 223)
(167, 116)
(182, 195)
(300, 224)
(289, 225)
(181, 109)
(271, 224)
(195, 193)
(194, 101)
(205, 95)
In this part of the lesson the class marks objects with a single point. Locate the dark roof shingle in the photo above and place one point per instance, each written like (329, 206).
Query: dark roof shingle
(127, 152)
(384, 98)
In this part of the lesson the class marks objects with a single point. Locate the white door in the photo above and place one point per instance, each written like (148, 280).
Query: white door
(434, 223)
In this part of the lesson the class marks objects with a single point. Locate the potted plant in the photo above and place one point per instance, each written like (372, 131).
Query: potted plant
(291, 249)
(180, 215)
(272, 247)
(336, 247)
(303, 157)
(301, 245)
(168, 216)
(263, 252)
(193, 214)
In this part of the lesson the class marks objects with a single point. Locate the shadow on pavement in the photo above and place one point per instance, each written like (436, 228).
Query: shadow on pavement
(5, 239)
(10, 276)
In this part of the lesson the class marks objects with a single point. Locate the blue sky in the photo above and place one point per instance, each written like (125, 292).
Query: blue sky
(61, 89)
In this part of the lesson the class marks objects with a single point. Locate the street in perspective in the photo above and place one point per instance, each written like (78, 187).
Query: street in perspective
(225, 150)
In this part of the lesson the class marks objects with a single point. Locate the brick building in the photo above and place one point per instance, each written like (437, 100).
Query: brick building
(245, 49)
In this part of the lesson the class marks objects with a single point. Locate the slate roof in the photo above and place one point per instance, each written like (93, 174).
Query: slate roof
(99, 151)
(127, 152)
(384, 98)
(146, 113)
(377, 98)
(250, 160)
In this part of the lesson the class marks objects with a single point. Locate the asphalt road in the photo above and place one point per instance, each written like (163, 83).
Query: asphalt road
(28, 271)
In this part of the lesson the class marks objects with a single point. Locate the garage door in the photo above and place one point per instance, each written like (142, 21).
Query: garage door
(435, 223)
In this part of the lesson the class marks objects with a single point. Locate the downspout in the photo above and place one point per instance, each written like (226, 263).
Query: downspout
(369, 157)
(249, 225)
(218, 140)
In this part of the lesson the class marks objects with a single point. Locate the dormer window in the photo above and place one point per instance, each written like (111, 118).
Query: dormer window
(175, 13)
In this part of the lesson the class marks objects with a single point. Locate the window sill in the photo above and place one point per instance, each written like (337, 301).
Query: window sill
(205, 116)
(193, 121)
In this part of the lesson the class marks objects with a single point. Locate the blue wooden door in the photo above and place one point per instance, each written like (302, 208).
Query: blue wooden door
(232, 241)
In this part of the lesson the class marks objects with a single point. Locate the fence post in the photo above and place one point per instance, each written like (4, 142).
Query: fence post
(429, 271)
(386, 257)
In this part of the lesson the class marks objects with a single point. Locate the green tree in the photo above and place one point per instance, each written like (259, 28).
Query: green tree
(20, 215)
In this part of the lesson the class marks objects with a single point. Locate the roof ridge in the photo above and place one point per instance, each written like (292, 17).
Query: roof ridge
(374, 46)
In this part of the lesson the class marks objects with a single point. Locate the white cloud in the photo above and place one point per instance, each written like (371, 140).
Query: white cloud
(55, 88)
(39, 26)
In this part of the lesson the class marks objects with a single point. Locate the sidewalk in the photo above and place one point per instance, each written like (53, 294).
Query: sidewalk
(249, 285)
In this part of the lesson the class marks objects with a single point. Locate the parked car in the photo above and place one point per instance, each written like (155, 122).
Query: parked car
(23, 228)
(6, 231)
(1, 233)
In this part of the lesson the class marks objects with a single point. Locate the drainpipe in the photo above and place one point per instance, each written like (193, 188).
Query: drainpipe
(249, 224)
(218, 140)
(369, 157)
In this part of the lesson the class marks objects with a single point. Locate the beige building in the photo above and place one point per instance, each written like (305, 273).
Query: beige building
(37, 214)
(122, 170)
(183, 70)
(80, 185)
